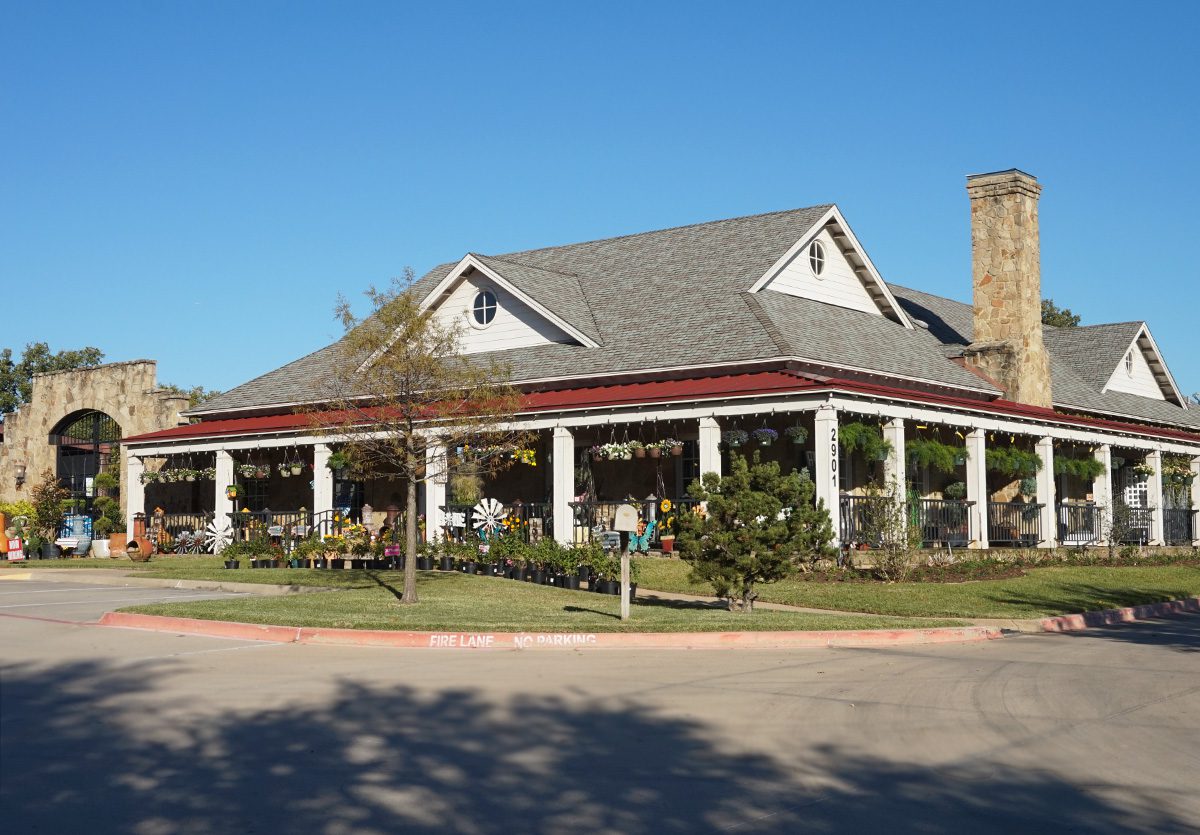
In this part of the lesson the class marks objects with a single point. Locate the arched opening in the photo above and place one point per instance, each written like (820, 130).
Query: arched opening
(85, 442)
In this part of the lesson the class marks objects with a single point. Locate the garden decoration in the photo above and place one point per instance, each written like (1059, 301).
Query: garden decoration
(488, 516)
(234, 491)
(217, 536)
(639, 540)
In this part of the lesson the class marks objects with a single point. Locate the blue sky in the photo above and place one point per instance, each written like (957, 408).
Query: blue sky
(195, 182)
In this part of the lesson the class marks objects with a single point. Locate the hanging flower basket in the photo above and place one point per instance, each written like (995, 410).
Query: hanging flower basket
(234, 491)
(765, 436)
(638, 449)
(296, 469)
(796, 434)
(654, 450)
(247, 470)
(734, 438)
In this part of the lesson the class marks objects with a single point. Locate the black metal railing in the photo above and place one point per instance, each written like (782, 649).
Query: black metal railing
(1134, 524)
(1014, 523)
(942, 521)
(182, 533)
(1179, 525)
(858, 519)
(1079, 523)
(287, 527)
(591, 518)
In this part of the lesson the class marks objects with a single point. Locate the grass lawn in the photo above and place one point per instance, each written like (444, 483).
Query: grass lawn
(1043, 591)
(455, 602)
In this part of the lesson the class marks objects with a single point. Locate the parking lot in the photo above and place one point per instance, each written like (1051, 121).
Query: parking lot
(122, 731)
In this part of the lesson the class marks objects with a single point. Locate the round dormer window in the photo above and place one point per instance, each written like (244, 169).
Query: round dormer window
(816, 258)
(483, 309)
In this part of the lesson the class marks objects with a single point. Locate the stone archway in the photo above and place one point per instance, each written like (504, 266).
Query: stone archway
(84, 443)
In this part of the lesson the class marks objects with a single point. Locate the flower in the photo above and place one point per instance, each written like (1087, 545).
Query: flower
(665, 506)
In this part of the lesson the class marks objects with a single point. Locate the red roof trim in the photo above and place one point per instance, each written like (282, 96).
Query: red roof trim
(755, 384)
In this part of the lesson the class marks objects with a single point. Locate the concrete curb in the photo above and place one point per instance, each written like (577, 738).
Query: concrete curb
(1108, 617)
(551, 641)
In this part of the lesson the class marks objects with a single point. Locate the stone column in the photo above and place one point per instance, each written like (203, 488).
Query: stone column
(977, 487)
(1102, 491)
(222, 505)
(710, 446)
(1046, 494)
(135, 491)
(1196, 502)
(322, 479)
(563, 490)
(437, 473)
(1154, 498)
(825, 479)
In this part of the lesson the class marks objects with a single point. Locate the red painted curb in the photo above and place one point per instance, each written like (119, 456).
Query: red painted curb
(1107, 617)
(551, 640)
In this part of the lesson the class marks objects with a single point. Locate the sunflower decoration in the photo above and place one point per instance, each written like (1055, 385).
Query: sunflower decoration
(665, 506)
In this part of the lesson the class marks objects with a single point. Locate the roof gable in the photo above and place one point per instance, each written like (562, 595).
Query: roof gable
(1141, 370)
(846, 277)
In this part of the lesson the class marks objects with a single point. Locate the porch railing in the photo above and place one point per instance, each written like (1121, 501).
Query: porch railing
(1014, 523)
(856, 515)
(589, 518)
(1179, 525)
(182, 533)
(1079, 523)
(284, 526)
(942, 521)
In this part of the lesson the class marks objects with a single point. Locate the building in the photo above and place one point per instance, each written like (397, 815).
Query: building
(771, 322)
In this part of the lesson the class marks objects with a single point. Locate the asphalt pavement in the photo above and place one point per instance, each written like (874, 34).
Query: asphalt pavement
(119, 731)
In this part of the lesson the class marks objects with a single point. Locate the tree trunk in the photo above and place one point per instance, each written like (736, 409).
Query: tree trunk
(410, 542)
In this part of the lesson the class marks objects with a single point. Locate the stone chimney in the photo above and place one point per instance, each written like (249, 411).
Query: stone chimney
(1007, 280)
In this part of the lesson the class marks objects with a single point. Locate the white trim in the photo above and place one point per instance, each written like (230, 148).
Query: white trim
(834, 217)
(470, 261)
(1135, 345)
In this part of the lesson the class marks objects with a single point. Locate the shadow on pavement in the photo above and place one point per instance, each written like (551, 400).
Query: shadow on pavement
(81, 754)
(1178, 632)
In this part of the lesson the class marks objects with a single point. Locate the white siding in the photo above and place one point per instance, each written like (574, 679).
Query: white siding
(516, 325)
(838, 284)
(1140, 381)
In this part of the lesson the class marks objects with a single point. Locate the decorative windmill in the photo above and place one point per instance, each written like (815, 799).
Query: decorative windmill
(217, 537)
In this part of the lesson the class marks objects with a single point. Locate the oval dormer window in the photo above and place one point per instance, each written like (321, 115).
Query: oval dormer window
(1129, 363)
(483, 309)
(816, 258)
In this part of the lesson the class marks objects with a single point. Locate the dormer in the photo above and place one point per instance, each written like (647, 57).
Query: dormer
(829, 265)
(499, 305)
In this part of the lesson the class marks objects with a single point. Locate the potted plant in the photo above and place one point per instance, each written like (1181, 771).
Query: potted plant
(765, 436)
(666, 538)
(1143, 469)
(675, 446)
(296, 467)
(955, 490)
(247, 470)
(234, 492)
(734, 438)
(338, 460)
(47, 500)
(796, 434)
(637, 448)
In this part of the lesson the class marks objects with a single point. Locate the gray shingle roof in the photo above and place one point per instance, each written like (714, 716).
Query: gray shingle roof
(678, 297)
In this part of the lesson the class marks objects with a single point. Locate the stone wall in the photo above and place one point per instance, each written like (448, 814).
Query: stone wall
(127, 392)
(1007, 282)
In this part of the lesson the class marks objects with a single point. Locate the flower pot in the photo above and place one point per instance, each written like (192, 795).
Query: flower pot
(297, 563)
(537, 576)
(654, 452)
(584, 572)
(116, 544)
(232, 564)
(639, 453)
(469, 567)
(764, 442)
(668, 544)
(446, 564)
(50, 551)
(321, 562)
(425, 563)
(100, 548)
(677, 450)
(296, 470)
(572, 581)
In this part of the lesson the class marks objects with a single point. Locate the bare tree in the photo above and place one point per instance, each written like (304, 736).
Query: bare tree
(407, 388)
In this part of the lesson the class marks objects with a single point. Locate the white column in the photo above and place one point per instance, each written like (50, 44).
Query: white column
(1045, 493)
(710, 446)
(825, 479)
(977, 486)
(222, 506)
(894, 466)
(563, 490)
(322, 479)
(1102, 489)
(1154, 498)
(1196, 502)
(437, 473)
(135, 491)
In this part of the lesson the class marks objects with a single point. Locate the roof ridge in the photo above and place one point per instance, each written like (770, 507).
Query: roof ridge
(503, 260)
(672, 228)
(772, 331)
